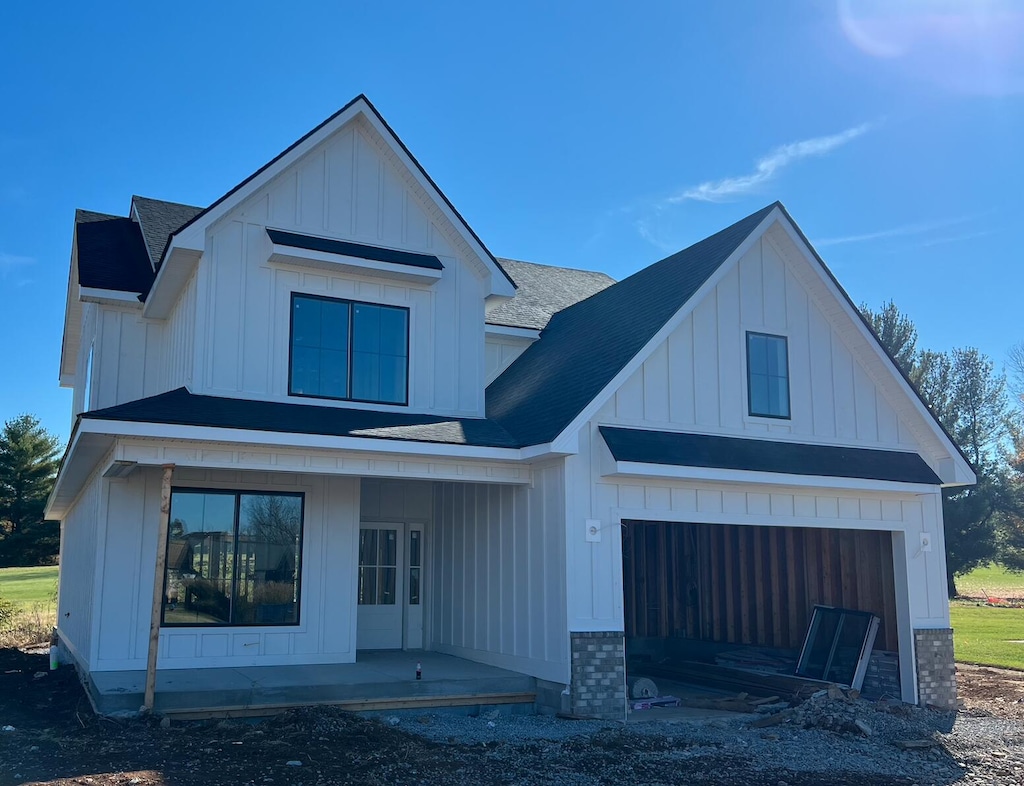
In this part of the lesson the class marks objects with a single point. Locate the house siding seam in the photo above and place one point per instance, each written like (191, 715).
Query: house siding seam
(598, 687)
(936, 669)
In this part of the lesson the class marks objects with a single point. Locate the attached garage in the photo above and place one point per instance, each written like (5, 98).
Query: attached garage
(699, 596)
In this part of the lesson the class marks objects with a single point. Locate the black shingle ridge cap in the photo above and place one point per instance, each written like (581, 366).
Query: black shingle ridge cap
(871, 331)
(183, 408)
(359, 250)
(361, 97)
(710, 451)
(585, 345)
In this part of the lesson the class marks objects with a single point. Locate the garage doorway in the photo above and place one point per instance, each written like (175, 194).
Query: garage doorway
(734, 596)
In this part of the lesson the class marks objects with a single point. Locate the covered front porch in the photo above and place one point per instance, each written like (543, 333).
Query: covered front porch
(378, 680)
(284, 577)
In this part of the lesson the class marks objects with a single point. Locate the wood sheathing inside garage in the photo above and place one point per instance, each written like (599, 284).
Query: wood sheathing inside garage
(751, 585)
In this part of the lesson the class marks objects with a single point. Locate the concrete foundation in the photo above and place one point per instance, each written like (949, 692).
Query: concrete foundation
(375, 677)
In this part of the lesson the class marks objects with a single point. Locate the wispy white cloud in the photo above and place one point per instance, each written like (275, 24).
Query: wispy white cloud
(645, 228)
(10, 263)
(905, 230)
(769, 166)
(938, 241)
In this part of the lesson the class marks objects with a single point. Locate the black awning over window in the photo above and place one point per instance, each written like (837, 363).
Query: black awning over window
(358, 250)
(758, 455)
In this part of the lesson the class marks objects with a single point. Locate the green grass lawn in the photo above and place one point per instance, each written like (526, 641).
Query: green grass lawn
(988, 635)
(28, 587)
(991, 580)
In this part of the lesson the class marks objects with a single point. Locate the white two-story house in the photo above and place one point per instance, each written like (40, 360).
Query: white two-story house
(319, 420)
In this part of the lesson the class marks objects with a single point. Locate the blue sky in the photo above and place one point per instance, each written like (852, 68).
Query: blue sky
(593, 135)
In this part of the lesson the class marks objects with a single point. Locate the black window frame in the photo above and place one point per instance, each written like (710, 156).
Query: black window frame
(237, 494)
(348, 381)
(789, 394)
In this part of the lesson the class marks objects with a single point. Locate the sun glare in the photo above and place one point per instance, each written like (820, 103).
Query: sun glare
(974, 46)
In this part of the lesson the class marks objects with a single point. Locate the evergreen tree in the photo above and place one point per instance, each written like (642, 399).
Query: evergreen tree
(29, 458)
(970, 400)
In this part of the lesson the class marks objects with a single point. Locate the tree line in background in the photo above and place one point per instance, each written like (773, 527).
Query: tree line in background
(983, 411)
(29, 458)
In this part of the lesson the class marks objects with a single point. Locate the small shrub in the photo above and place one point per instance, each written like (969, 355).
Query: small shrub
(7, 613)
(27, 627)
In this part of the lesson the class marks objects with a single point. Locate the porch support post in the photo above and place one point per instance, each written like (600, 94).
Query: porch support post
(158, 586)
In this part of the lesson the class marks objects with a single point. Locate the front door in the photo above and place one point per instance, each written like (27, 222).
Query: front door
(390, 587)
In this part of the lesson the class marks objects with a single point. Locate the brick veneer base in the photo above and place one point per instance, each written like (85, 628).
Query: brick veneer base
(598, 688)
(936, 671)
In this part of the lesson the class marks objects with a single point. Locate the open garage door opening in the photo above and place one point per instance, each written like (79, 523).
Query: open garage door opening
(728, 606)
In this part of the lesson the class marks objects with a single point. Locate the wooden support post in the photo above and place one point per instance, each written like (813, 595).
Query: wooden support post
(158, 586)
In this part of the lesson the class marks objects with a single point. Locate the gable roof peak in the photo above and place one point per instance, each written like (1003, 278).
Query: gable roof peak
(358, 106)
(548, 386)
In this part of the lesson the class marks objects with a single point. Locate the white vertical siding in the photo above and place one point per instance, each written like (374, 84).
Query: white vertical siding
(499, 574)
(399, 501)
(594, 569)
(344, 189)
(128, 356)
(78, 557)
(697, 379)
(83, 373)
(326, 630)
(180, 331)
(500, 351)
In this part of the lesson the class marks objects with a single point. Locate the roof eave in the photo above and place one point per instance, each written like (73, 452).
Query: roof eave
(568, 436)
(960, 472)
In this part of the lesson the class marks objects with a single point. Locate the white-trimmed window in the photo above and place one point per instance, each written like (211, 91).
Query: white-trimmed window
(767, 376)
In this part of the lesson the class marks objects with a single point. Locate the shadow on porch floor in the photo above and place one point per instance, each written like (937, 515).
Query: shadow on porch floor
(378, 680)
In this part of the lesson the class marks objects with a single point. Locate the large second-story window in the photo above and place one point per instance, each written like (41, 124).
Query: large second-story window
(345, 349)
(767, 375)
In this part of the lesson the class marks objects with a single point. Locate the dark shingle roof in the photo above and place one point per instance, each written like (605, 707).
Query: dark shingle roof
(111, 253)
(586, 345)
(160, 220)
(182, 408)
(758, 455)
(543, 291)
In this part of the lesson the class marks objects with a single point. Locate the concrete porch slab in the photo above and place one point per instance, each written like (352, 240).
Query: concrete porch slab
(375, 678)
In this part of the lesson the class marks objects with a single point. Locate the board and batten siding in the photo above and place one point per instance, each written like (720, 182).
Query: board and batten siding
(595, 568)
(180, 334)
(78, 572)
(500, 351)
(326, 630)
(397, 501)
(342, 189)
(696, 379)
(499, 574)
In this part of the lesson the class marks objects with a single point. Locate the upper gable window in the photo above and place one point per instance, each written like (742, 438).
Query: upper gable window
(767, 375)
(344, 349)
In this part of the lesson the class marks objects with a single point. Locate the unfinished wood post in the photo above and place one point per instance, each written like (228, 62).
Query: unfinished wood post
(158, 586)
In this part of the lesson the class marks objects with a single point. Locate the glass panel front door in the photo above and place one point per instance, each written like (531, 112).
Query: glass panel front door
(389, 587)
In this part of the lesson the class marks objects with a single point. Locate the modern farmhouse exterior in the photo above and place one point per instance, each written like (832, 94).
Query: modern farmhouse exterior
(376, 435)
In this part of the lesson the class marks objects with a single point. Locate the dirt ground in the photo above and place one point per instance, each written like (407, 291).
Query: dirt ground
(988, 691)
(56, 739)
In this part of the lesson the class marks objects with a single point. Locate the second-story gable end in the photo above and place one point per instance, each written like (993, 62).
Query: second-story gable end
(338, 275)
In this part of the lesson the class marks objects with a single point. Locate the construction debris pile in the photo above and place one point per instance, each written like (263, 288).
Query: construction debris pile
(838, 710)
